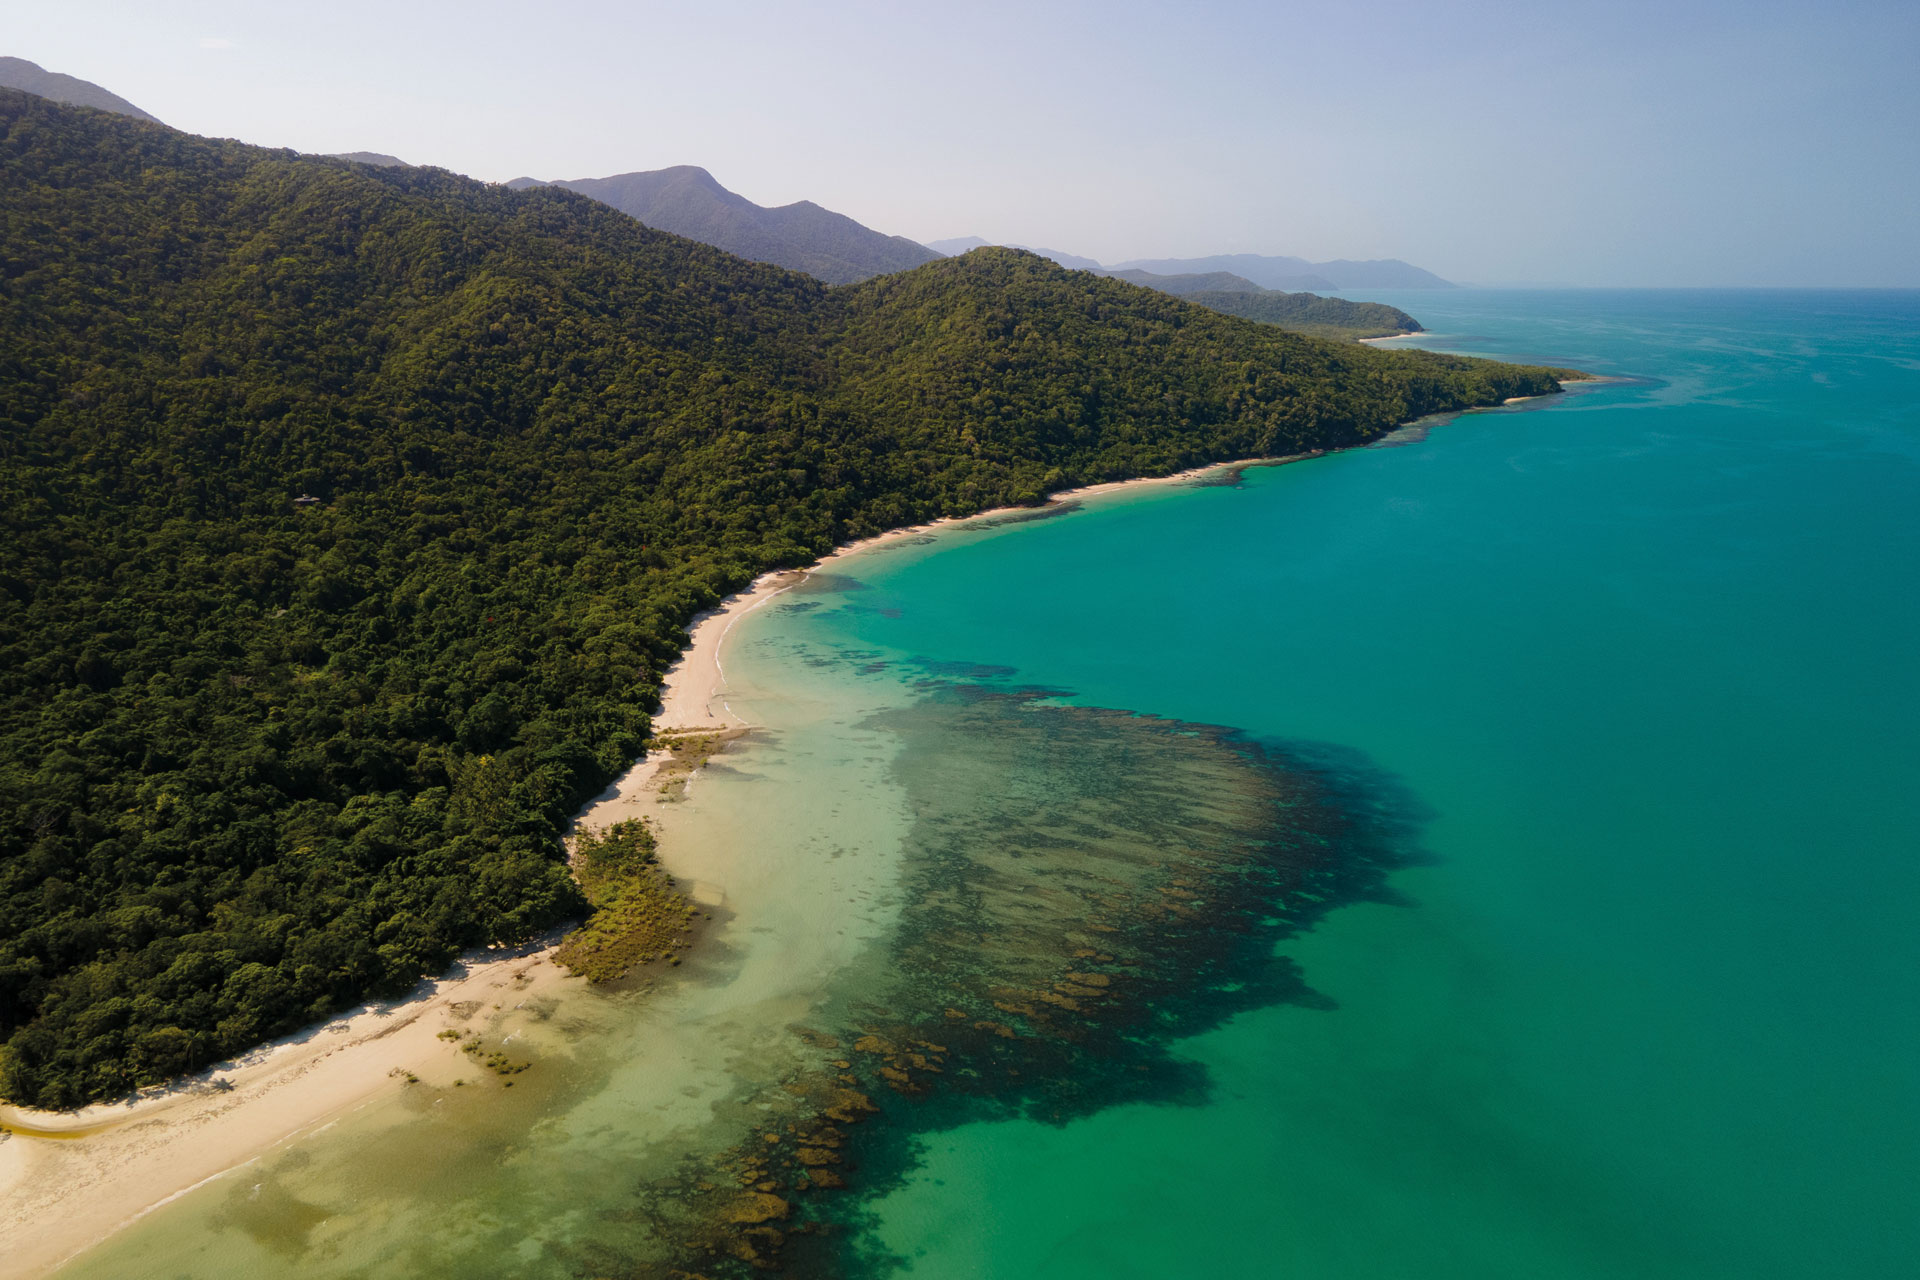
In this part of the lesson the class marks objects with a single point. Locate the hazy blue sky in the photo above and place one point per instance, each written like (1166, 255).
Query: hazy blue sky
(1659, 143)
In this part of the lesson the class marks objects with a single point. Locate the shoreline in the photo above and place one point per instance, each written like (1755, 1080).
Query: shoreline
(70, 1180)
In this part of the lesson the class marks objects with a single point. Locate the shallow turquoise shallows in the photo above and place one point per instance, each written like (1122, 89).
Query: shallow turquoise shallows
(1646, 659)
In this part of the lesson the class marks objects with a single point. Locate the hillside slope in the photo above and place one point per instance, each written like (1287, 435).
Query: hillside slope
(353, 514)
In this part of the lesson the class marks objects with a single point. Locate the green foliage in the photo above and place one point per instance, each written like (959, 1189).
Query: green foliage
(622, 851)
(1310, 313)
(264, 755)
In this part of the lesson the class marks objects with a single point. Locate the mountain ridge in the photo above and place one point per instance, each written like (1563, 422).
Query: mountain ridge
(31, 77)
(964, 244)
(378, 159)
(1303, 311)
(1181, 285)
(1283, 273)
(803, 236)
(1266, 271)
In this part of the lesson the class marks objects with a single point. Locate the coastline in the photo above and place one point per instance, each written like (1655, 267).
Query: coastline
(70, 1180)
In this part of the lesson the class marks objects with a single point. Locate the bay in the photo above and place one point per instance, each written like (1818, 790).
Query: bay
(1623, 678)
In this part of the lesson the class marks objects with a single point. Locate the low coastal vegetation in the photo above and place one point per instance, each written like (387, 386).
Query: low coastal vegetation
(353, 514)
(638, 917)
(681, 752)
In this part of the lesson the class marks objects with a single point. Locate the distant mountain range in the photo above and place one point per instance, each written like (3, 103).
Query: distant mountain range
(1213, 282)
(803, 236)
(1252, 270)
(1291, 273)
(687, 201)
(1302, 311)
(1290, 302)
(18, 73)
(684, 200)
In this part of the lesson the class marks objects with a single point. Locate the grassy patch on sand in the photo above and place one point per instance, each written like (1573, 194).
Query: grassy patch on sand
(638, 916)
(683, 751)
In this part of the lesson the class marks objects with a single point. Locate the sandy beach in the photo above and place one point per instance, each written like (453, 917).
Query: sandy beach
(69, 1180)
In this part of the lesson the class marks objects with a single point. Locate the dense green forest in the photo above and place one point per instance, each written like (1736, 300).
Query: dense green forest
(1309, 313)
(352, 514)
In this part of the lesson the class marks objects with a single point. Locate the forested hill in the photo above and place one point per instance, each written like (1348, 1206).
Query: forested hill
(1309, 313)
(1302, 312)
(352, 514)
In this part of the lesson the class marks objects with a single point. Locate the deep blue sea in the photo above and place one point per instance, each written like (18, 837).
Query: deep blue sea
(1643, 660)
(1600, 712)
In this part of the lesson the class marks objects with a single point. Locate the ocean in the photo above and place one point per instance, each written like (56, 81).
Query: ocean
(1493, 852)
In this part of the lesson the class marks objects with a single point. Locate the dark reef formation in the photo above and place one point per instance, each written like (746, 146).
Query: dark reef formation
(1083, 888)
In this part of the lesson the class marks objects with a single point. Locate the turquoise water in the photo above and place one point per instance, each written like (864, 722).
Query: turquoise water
(1646, 659)
(1616, 690)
